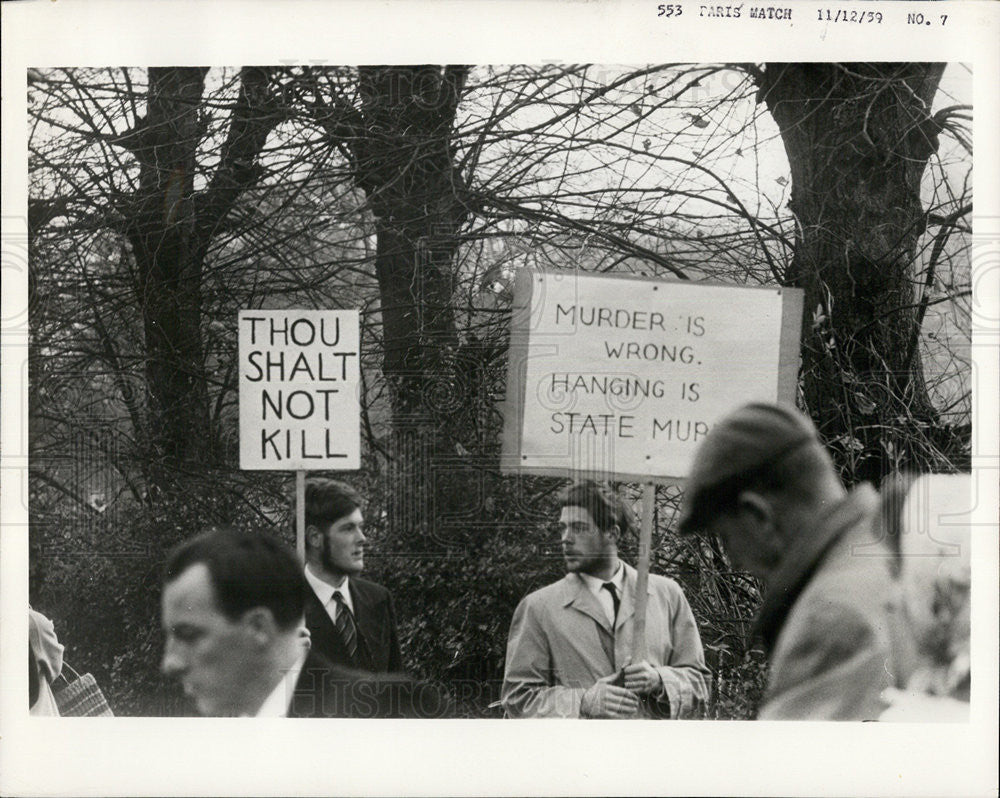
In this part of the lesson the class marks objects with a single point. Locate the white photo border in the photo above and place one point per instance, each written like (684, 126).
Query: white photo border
(143, 756)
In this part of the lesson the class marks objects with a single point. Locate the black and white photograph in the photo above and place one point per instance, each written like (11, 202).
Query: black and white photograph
(434, 390)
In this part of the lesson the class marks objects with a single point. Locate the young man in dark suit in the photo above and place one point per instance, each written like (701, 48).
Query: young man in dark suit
(351, 620)
(232, 612)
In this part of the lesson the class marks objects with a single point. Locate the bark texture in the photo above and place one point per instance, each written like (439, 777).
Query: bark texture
(405, 164)
(858, 138)
(399, 139)
(170, 227)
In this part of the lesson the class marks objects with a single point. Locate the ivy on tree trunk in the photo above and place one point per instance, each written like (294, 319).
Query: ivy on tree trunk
(858, 138)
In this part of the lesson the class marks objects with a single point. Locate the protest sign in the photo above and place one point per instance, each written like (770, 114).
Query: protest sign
(299, 383)
(621, 377)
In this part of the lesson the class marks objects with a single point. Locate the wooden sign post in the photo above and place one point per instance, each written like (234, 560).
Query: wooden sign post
(300, 514)
(299, 395)
(642, 572)
(620, 378)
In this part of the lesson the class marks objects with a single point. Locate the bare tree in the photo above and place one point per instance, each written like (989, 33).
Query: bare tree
(859, 138)
(150, 200)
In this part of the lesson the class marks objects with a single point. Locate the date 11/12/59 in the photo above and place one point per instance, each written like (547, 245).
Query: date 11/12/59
(843, 15)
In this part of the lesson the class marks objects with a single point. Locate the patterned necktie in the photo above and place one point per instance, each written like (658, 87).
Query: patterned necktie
(345, 626)
(610, 587)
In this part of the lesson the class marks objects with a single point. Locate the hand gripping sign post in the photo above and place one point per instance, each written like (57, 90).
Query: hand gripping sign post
(621, 377)
(299, 406)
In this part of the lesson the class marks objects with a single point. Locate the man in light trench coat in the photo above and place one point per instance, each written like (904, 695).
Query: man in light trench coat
(570, 643)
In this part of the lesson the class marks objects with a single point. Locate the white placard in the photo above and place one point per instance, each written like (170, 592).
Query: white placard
(299, 390)
(624, 377)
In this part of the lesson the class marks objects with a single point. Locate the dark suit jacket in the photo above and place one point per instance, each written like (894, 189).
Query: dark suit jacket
(326, 690)
(378, 649)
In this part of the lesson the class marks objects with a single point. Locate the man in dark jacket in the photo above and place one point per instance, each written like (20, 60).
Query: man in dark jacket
(352, 621)
(232, 612)
(830, 618)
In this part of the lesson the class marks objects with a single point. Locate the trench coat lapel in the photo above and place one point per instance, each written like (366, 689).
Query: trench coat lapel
(580, 599)
(627, 607)
(626, 610)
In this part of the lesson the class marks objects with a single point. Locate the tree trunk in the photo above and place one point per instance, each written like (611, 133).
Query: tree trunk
(169, 257)
(170, 227)
(405, 164)
(858, 138)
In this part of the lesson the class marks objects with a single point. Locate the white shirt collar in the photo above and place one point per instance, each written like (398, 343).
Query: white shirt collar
(595, 585)
(277, 703)
(324, 590)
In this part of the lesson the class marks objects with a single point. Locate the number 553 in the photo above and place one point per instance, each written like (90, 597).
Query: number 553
(668, 10)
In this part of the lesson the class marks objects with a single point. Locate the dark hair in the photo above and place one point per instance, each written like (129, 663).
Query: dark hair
(328, 500)
(247, 570)
(797, 473)
(604, 505)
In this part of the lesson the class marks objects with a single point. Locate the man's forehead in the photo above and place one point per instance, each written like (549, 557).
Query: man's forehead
(354, 517)
(192, 590)
(573, 514)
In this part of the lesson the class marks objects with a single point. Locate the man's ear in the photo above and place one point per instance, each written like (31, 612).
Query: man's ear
(613, 534)
(312, 533)
(260, 623)
(759, 517)
(752, 506)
